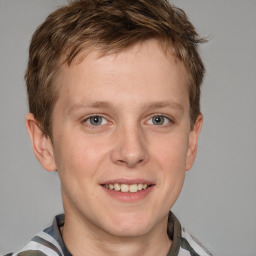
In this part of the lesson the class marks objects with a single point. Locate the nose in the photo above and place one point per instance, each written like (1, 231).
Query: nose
(130, 148)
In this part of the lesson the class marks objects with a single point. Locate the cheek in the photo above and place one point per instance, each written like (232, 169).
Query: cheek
(78, 156)
(77, 168)
(171, 152)
(171, 156)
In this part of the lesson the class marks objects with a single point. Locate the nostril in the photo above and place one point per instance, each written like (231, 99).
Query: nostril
(128, 152)
(130, 163)
(122, 162)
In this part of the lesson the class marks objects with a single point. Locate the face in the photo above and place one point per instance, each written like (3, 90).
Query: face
(122, 139)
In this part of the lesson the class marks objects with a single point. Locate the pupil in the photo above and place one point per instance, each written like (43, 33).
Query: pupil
(96, 120)
(158, 120)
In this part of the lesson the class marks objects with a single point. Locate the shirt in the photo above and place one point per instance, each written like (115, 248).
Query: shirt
(50, 243)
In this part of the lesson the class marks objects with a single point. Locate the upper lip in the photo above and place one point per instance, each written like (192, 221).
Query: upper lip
(127, 181)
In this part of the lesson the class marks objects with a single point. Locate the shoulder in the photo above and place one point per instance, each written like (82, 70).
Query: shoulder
(42, 244)
(28, 253)
(184, 243)
(190, 244)
(48, 242)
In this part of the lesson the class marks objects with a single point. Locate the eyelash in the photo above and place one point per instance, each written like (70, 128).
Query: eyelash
(87, 119)
(166, 120)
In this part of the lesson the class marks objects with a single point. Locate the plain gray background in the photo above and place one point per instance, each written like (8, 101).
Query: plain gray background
(218, 201)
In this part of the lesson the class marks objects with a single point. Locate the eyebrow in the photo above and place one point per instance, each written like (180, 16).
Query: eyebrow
(108, 105)
(164, 104)
(96, 104)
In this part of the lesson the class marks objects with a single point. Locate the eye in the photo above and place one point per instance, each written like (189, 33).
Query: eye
(159, 120)
(96, 120)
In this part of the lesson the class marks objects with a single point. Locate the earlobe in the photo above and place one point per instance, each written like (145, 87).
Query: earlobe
(193, 140)
(41, 143)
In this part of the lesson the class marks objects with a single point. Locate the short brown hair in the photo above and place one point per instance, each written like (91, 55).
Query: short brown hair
(110, 26)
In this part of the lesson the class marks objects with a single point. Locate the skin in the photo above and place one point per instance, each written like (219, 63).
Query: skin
(128, 90)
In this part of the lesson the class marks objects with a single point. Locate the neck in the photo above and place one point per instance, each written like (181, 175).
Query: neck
(83, 240)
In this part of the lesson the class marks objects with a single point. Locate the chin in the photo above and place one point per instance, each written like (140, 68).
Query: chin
(129, 225)
(129, 231)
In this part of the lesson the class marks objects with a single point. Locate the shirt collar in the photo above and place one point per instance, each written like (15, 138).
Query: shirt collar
(173, 231)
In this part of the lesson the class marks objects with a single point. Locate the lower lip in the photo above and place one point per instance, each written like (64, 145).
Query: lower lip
(129, 197)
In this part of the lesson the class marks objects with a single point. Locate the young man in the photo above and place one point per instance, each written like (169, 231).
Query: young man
(114, 90)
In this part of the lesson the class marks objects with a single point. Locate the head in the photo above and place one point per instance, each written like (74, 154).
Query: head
(114, 90)
(111, 27)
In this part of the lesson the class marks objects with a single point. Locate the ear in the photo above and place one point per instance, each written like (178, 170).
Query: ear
(41, 143)
(192, 144)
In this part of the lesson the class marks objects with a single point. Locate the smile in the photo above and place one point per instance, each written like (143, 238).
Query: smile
(126, 188)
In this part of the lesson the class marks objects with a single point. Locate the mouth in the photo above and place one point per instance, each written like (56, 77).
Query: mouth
(127, 188)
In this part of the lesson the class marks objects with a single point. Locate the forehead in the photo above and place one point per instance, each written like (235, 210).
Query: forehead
(141, 70)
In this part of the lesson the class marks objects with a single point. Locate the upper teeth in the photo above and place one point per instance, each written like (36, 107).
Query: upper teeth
(126, 188)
